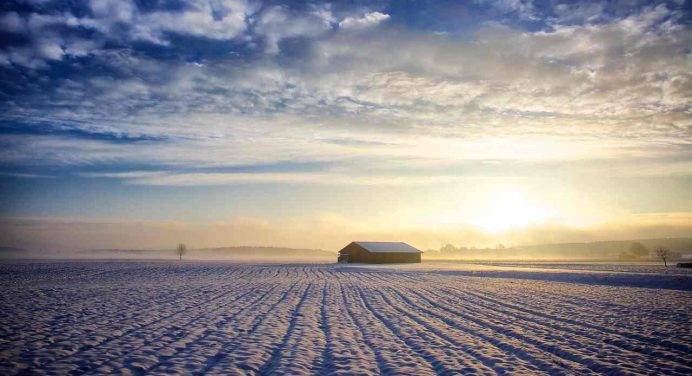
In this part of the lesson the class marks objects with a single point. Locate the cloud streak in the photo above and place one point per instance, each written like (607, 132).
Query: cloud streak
(363, 22)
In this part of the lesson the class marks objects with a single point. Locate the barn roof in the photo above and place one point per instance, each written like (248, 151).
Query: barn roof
(398, 247)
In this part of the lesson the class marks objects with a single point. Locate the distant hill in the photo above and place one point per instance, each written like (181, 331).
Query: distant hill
(12, 252)
(608, 249)
(240, 252)
(600, 250)
(265, 252)
(135, 252)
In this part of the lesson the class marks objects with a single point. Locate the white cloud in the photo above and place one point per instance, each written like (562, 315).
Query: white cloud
(277, 23)
(26, 176)
(579, 12)
(12, 22)
(203, 18)
(522, 8)
(165, 178)
(116, 10)
(565, 93)
(215, 20)
(121, 21)
(365, 21)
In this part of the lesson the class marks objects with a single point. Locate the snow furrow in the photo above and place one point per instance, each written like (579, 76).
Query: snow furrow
(392, 355)
(455, 354)
(220, 318)
(139, 352)
(240, 350)
(515, 354)
(303, 342)
(351, 352)
(216, 331)
(470, 347)
(409, 335)
(528, 317)
(553, 304)
(121, 341)
(501, 330)
(563, 337)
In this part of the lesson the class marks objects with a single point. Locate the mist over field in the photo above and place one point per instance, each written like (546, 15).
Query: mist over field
(72, 237)
(624, 251)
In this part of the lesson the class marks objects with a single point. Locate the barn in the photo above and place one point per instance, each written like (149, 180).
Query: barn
(685, 260)
(379, 253)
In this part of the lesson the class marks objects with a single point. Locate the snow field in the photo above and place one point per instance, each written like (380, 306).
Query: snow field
(221, 318)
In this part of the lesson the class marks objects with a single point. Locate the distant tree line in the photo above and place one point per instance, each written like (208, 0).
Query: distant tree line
(615, 250)
(638, 251)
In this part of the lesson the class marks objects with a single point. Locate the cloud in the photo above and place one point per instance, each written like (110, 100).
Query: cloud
(524, 9)
(165, 178)
(222, 20)
(61, 34)
(277, 23)
(254, 84)
(12, 22)
(579, 13)
(209, 19)
(26, 176)
(362, 22)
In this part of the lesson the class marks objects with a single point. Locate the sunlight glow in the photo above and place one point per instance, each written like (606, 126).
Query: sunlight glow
(511, 210)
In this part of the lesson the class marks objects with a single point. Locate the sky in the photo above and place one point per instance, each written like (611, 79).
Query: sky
(141, 124)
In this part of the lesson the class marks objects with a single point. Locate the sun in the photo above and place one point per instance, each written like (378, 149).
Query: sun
(509, 210)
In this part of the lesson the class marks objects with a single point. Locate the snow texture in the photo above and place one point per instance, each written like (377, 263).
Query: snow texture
(221, 318)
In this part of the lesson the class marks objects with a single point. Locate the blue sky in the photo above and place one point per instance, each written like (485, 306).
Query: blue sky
(410, 116)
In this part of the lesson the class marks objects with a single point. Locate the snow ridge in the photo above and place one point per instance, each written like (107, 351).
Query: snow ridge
(161, 318)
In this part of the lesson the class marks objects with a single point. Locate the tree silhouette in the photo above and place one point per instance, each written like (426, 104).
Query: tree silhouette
(664, 254)
(181, 250)
(448, 248)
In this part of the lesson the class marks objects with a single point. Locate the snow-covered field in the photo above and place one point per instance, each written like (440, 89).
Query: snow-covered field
(223, 318)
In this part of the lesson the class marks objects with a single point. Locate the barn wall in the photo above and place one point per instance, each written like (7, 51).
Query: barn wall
(358, 254)
(392, 257)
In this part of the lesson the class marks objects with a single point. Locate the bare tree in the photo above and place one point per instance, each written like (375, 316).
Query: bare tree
(181, 250)
(664, 254)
